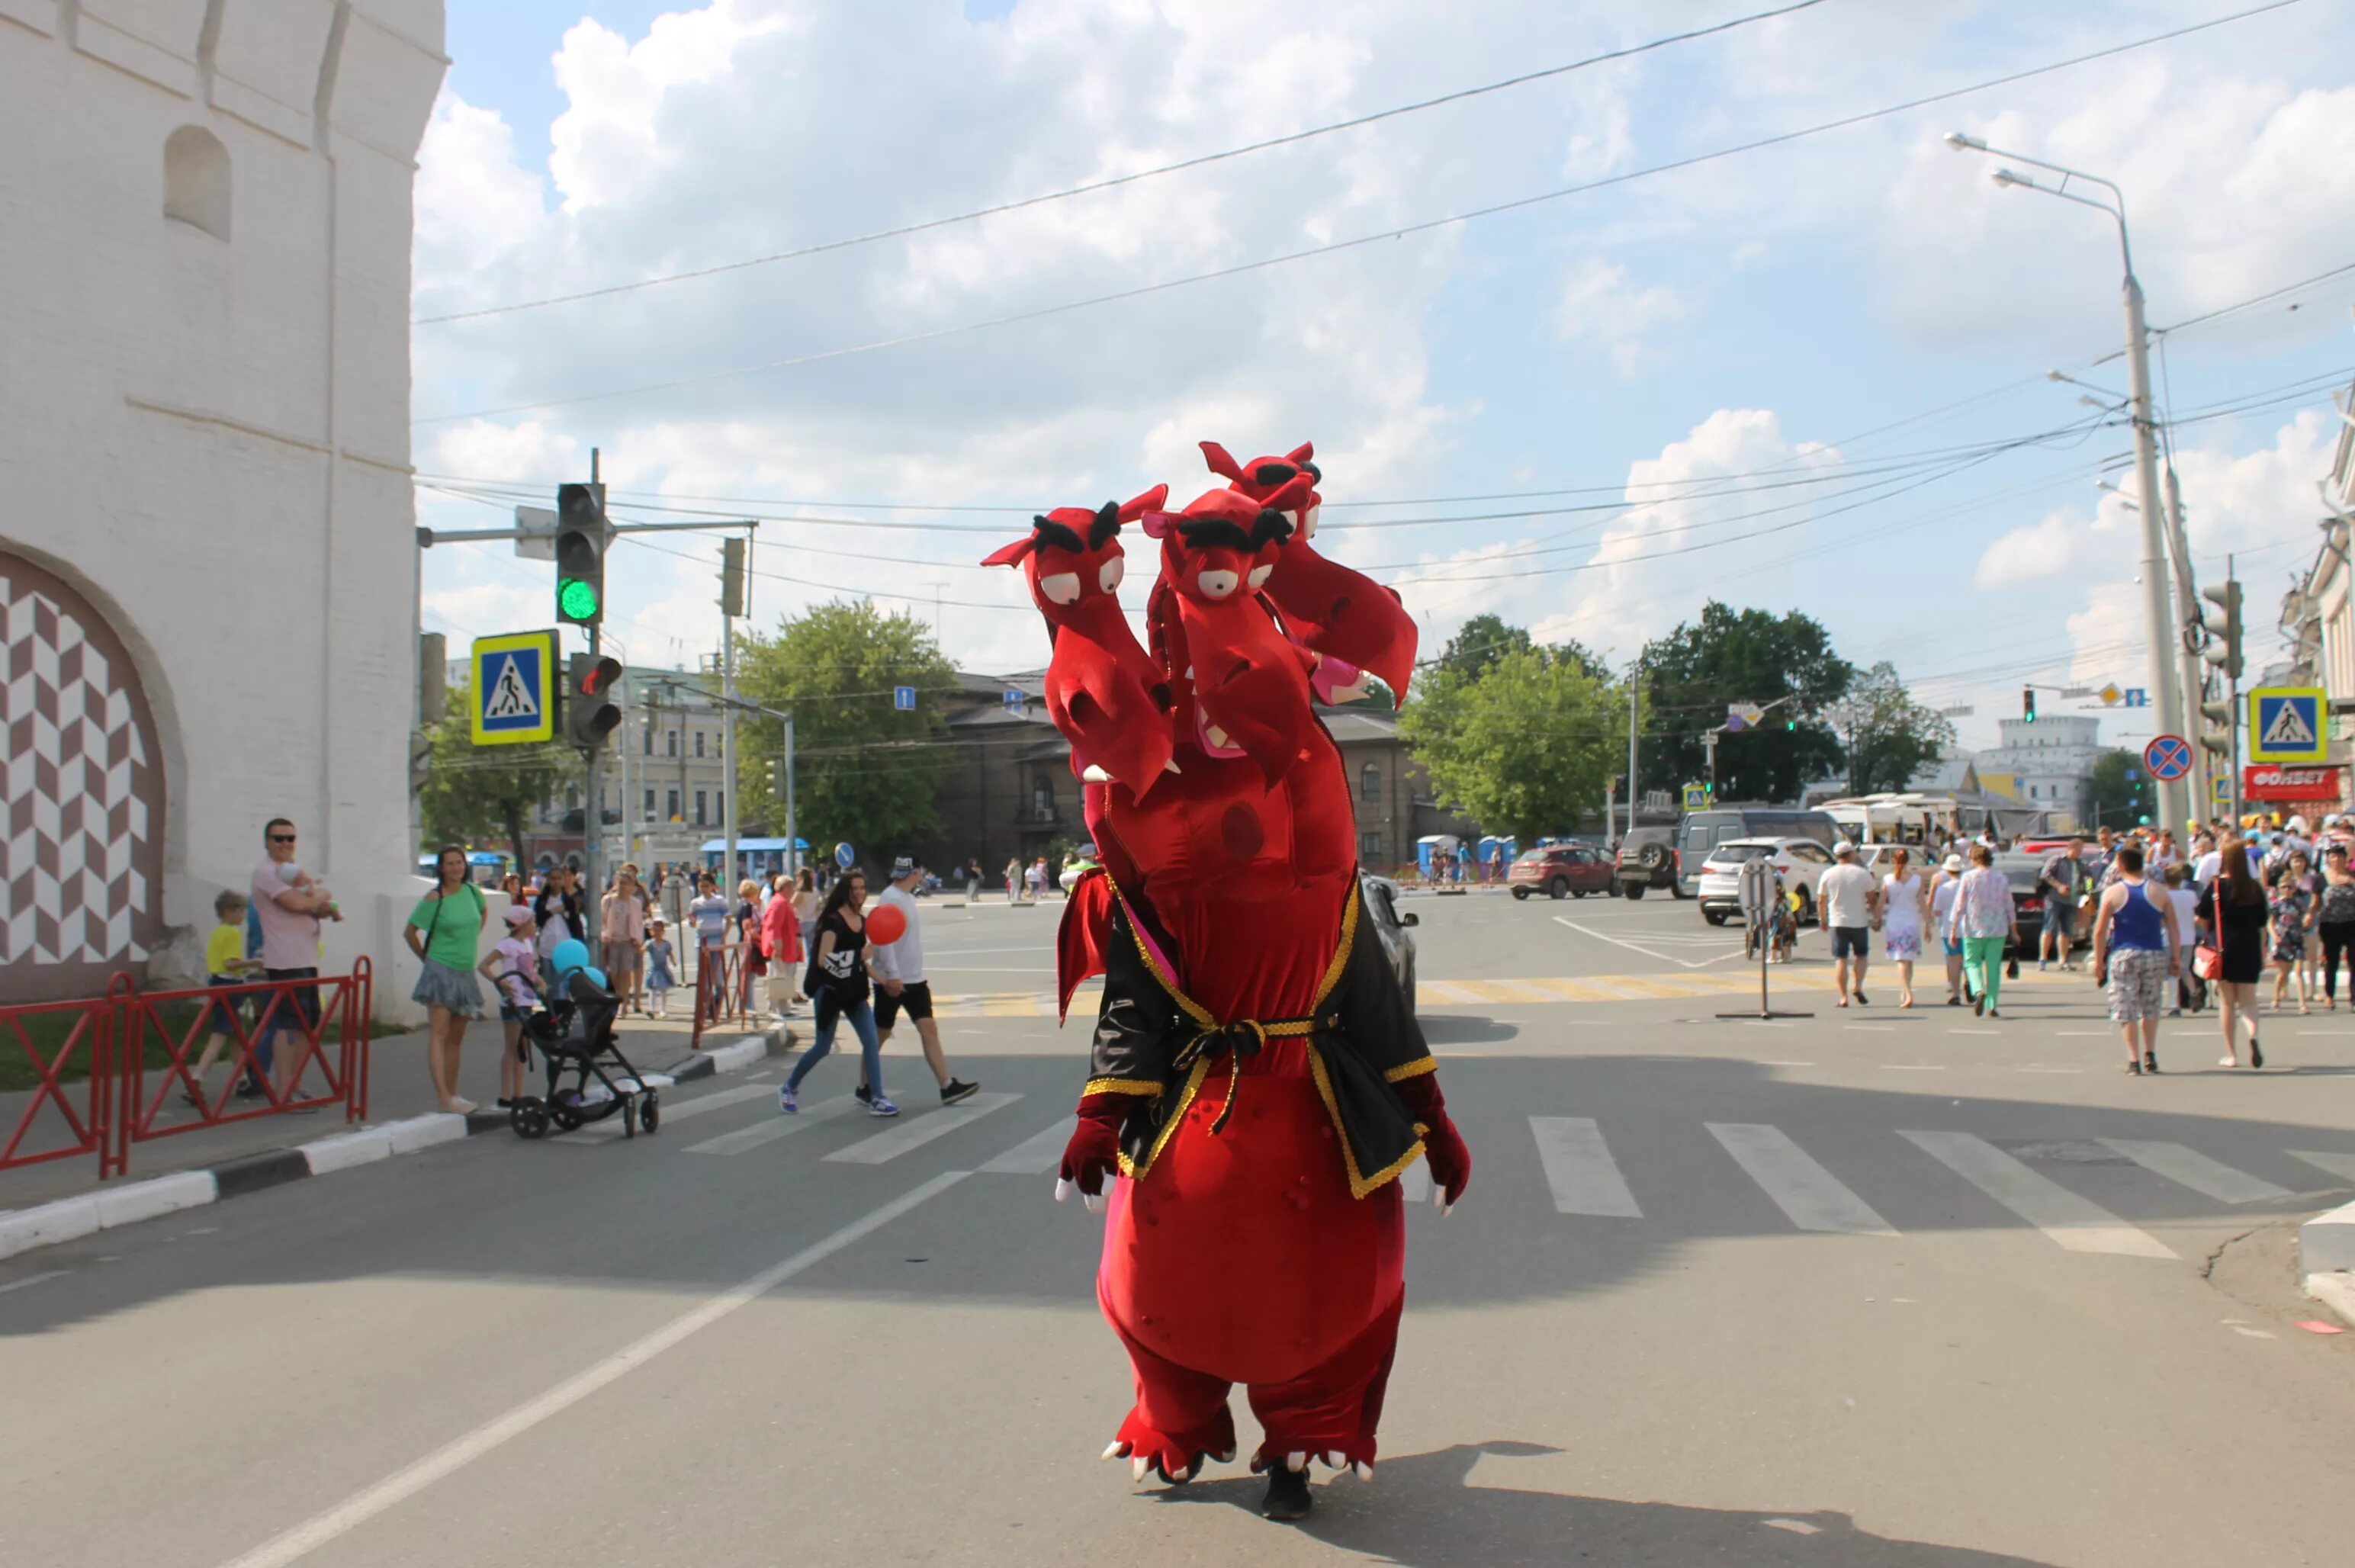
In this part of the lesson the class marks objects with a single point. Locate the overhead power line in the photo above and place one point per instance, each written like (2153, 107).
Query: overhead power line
(1396, 233)
(1115, 181)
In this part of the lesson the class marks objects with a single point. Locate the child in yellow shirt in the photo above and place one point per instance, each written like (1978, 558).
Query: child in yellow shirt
(225, 965)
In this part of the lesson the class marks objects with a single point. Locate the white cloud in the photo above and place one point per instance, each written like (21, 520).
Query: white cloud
(1598, 305)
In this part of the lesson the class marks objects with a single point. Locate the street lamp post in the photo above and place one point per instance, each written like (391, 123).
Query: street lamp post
(2162, 635)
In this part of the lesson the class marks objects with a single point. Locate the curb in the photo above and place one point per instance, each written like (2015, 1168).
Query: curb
(2335, 1290)
(72, 1219)
(2326, 1243)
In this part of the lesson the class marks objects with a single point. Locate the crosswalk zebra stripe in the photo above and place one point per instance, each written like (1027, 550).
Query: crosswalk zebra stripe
(915, 1132)
(2189, 1168)
(785, 1126)
(2342, 1164)
(2077, 1223)
(1036, 1154)
(1813, 1197)
(1578, 1164)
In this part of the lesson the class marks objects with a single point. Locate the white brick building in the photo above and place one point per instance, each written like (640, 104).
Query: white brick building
(2052, 762)
(207, 572)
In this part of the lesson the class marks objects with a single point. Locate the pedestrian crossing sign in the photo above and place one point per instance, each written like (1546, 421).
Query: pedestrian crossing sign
(2286, 724)
(511, 701)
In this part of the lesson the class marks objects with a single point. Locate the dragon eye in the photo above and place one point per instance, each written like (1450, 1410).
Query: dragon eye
(1109, 575)
(1307, 521)
(1216, 584)
(1259, 575)
(1060, 588)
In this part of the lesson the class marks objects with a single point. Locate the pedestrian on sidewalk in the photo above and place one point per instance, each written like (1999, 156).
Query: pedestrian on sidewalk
(745, 922)
(2291, 908)
(2190, 991)
(972, 881)
(513, 969)
(1014, 879)
(2237, 913)
(2334, 923)
(2135, 948)
(1903, 900)
(662, 973)
(838, 983)
(446, 932)
(899, 969)
(621, 938)
(226, 966)
(781, 934)
(2064, 881)
(1943, 888)
(1849, 906)
(290, 906)
(559, 916)
(1983, 921)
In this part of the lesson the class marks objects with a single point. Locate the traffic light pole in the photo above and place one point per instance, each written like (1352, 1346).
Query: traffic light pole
(2154, 538)
(592, 815)
(728, 743)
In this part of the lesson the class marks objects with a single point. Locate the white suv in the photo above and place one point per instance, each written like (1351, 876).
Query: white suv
(1800, 861)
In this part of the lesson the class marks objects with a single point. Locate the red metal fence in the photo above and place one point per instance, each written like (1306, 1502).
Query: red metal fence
(299, 1045)
(723, 988)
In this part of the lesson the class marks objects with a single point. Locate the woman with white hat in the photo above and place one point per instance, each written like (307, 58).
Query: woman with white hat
(1943, 888)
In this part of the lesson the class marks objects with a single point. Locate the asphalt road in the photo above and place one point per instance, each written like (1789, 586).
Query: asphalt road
(1873, 1287)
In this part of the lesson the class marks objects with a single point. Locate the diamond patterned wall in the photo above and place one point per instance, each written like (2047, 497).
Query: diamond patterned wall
(81, 795)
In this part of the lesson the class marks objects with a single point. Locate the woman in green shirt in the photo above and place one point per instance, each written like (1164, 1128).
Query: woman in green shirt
(443, 931)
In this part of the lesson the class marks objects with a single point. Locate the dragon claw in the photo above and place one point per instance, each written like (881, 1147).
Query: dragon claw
(1365, 1472)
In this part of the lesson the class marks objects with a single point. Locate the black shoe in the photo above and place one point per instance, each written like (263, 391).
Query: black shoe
(2256, 1053)
(2133, 1068)
(1978, 1005)
(1861, 999)
(1287, 1493)
(957, 1089)
(2150, 1062)
(864, 1094)
(1954, 1001)
(506, 1104)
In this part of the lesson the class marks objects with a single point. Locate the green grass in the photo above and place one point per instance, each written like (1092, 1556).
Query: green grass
(48, 1031)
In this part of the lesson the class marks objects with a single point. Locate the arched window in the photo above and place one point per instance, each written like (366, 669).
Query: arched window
(196, 180)
(1370, 782)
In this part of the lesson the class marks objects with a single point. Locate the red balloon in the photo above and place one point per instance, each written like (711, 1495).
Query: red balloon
(886, 923)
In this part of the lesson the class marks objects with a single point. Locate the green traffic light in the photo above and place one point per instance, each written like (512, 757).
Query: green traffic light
(577, 599)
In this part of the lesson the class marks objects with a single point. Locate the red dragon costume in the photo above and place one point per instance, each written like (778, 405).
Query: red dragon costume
(1257, 1083)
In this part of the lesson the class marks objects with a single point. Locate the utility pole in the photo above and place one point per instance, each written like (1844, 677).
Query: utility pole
(792, 830)
(2187, 652)
(728, 744)
(1634, 693)
(2157, 619)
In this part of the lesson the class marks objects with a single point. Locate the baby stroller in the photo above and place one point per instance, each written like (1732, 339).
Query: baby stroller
(574, 1033)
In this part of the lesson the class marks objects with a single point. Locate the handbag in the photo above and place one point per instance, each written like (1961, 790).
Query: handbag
(2207, 962)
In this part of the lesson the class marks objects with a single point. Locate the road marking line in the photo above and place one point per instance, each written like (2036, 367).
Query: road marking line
(456, 1455)
(31, 1279)
(1787, 1065)
(1036, 1154)
(1578, 1164)
(2336, 1164)
(785, 1126)
(1813, 1197)
(1010, 1007)
(1635, 947)
(1872, 1029)
(2190, 1168)
(672, 1111)
(1449, 991)
(1911, 1067)
(1974, 1031)
(2033, 1067)
(2078, 1224)
(918, 1131)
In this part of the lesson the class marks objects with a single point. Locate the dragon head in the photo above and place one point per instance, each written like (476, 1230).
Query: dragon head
(1073, 556)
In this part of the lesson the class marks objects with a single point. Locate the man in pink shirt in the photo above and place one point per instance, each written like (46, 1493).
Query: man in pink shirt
(289, 904)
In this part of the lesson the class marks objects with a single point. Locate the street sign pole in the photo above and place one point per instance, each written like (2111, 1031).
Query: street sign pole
(1757, 895)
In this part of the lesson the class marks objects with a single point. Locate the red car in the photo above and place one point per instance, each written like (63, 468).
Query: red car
(1561, 871)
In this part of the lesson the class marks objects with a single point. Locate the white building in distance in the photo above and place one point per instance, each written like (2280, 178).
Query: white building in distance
(207, 566)
(2052, 762)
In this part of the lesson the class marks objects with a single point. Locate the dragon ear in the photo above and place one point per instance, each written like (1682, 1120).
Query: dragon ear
(1151, 501)
(1010, 554)
(1160, 525)
(1302, 453)
(1106, 524)
(1221, 462)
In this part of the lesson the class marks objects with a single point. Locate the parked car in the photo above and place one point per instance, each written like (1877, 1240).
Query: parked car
(1393, 929)
(1559, 870)
(1800, 861)
(1701, 831)
(1647, 860)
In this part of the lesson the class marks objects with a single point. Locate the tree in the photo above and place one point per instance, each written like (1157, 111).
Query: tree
(2121, 791)
(475, 793)
(1745, 655)
(1484, 638)
(1524, 744)
(1891, 737)
(864, 771)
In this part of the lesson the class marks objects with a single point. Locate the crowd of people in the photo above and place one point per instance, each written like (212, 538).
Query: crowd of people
(2162, 926)
(754, 943)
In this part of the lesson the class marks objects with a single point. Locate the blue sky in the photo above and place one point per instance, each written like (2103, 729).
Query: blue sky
(1802, 339)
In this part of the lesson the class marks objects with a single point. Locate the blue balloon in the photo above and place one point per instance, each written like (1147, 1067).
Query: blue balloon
(597, 978)
(571, 953)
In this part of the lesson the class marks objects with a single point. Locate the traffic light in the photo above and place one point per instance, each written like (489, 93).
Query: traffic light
(589, 712)
(2028, 705)
(2224, 625)
(771, 769)
(732, 577)
(2216, 727)
(581, 535)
